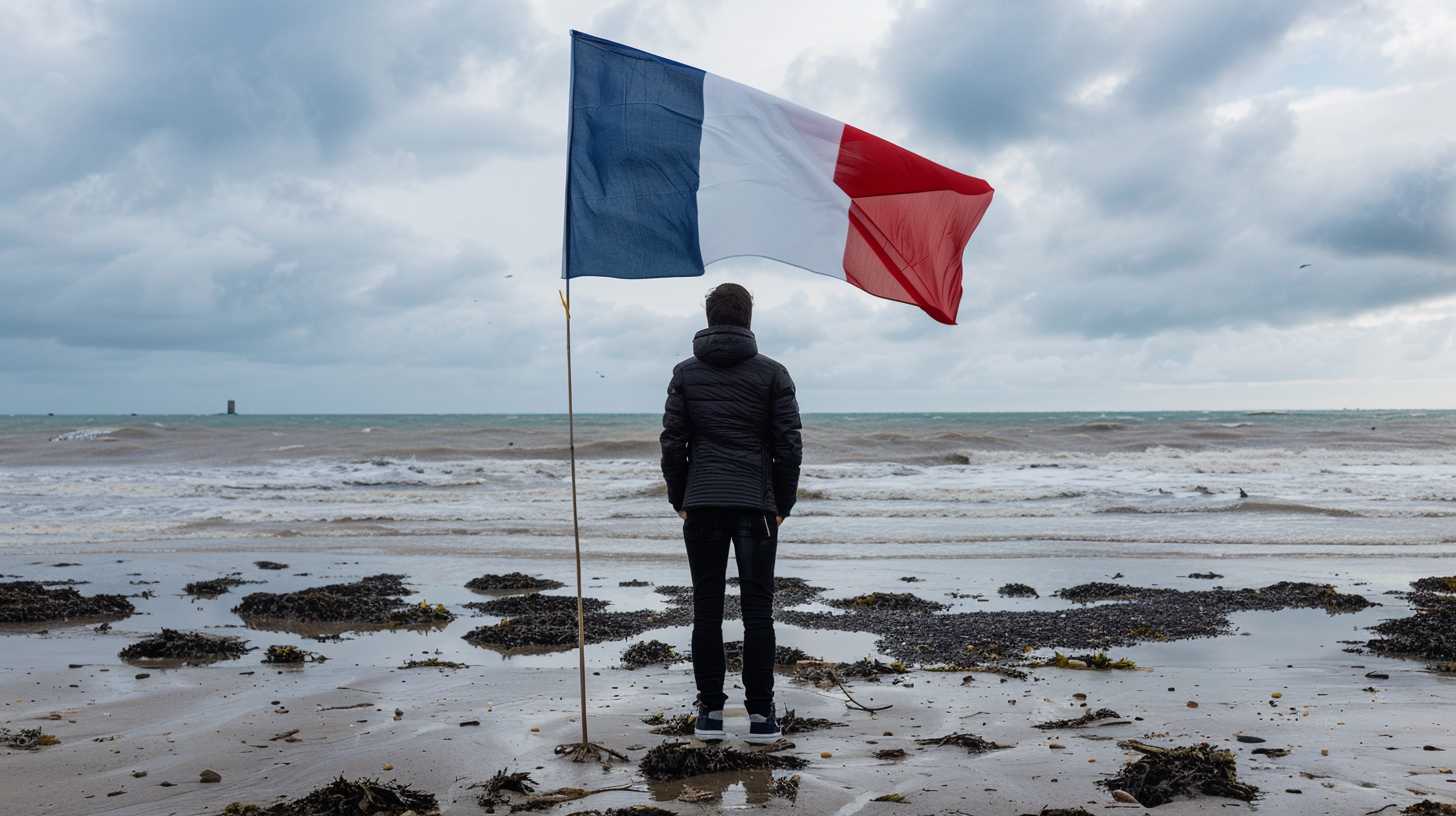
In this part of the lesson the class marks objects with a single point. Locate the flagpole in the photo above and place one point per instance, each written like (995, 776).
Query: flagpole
(575, 519)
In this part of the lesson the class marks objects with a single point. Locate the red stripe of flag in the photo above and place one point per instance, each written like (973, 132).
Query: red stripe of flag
(910, 219)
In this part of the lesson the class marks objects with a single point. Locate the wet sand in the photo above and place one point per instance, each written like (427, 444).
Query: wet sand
(177, 721)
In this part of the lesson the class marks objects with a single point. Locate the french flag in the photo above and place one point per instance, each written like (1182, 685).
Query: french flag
(671, 168)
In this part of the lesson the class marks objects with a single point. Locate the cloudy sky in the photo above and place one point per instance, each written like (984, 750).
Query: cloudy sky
(342, 207)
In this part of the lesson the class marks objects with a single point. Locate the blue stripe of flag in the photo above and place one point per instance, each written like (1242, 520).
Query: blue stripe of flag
(632, 170)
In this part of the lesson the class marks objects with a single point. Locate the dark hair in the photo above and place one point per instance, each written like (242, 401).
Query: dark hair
(730, 304)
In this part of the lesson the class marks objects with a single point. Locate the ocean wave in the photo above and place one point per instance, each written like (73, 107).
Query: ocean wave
(1292, 508)
(84, 435)
(1095, 426)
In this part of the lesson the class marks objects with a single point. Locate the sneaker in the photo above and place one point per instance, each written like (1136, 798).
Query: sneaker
(763, 728)
(709, 726)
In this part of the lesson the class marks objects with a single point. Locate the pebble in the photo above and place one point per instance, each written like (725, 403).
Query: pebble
(1079, 696)
(1124, 796)
(1193, 704)
(388, 767)
(1055, 746)
(138, 774)
(535, 729)
(1277, 695)
(825, 754)
(209, 776)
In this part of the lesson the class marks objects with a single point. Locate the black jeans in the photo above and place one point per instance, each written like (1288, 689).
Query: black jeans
(754, 535)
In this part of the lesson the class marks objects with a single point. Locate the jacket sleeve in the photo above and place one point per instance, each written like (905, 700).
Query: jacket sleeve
(676, 433)
(788, 446)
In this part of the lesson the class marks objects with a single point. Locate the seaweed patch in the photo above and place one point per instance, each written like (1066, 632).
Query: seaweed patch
(346, 796)
(680, 760)
(511, 581)
(30, 602)
(188, 647)
(1162, 774)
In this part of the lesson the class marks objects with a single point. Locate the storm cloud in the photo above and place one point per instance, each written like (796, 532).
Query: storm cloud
(324, 207)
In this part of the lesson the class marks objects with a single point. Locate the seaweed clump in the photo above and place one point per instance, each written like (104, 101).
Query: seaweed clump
(899, 601)
(511, 581)
(1426, 807)
(1430, 633)
(784, 656)
(503, 781)
(1016, 590)
(535, 605)
(680, 760)
(1099, 661)
(789, 590)
(1306, 595)
(188, 647)
(559, 629)
(647, 652)
(786, 787)
(290, 655)
(423, 613)
(1104, 591)
(792, 723)
(1087, 718)
(1436, 583)
(828, 675)
(214, 587)
(1162, 774)
(346, 796)
(30, 602)
(376, 600)
(677, 725)
(26, 739)
(432, 663)
(270, 565)
(972, 743)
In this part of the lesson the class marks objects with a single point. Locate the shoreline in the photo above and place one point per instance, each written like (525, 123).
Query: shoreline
(177, 721)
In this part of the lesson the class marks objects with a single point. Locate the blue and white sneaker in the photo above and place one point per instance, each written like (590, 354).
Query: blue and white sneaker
(709, 727)
(763, 728)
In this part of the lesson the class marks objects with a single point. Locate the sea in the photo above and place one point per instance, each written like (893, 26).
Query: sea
(1367, 484)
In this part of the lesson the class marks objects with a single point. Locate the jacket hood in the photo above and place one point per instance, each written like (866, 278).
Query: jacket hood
(724, 346)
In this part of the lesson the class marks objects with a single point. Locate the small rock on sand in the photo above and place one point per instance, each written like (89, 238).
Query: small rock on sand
(209, 776)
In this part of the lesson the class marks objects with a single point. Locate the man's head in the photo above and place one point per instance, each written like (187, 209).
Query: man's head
(730, 304)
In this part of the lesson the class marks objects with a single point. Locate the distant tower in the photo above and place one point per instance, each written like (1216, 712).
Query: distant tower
(232, 407)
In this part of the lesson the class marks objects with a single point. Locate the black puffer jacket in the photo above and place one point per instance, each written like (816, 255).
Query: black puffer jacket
(730, 431)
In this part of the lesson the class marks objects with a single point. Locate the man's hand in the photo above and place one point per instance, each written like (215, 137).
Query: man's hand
(682, 514)
(778, 521)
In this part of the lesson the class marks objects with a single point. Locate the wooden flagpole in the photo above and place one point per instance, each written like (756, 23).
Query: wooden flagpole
(575, 518)
(586, 749)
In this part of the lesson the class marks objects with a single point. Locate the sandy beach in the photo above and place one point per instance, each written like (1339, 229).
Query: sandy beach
(1355, 744)
(1225, 652)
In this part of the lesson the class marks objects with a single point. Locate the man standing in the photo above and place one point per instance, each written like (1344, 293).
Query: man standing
(730, 454)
